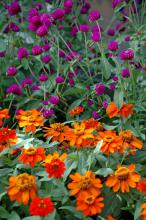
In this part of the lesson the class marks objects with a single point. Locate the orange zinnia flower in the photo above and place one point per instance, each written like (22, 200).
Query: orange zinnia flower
(92, 123)
(141, 186)
(7, 135)
(30, 119)
(111, 142)
(143, 211)
(57, 130)
(89, 203)
(109, 217)
(76, 111)
(129, 140)
(55, 165)
(126, 110)
(85, 183)
(3, 114)
(22, 188)
(112, 110)
(32, 155)
(78, 134)
(123, 179)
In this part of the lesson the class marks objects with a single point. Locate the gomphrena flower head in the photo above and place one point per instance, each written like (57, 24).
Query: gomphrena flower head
(84, 28)
(111, 32)
(94, 15)
(100, 89)
(26, 82)
(22, 53)
(115, 78)
(95, 115)
(127, 38)
(14, 8)
(112, 86)
(14, 89)
(46, 59)
(12, 70)
(54, 100)
(58, 13)
(37, 50)
(68, 4)
(126, 73)
(104, 104)
(42, 31)
(43, 77)
(113, 46)
(46, 19)
(47, 113)
(127, 54)
(46, 47)
(116, 2)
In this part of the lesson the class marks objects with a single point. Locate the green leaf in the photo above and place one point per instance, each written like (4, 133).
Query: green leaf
(73, 211)
(138, 210)
(13, 216)
(32, 218)
(108, 127)
(3, 213)
(104, 172)
(69, 167)
(106, 67)
(98, 147)
(118, 97)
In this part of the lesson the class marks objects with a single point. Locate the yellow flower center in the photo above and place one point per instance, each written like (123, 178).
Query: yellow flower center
(30, 151)
(108, 138)
(127, 136)
(85, 182)
(42, 204)
(24, 182)
(58, 127)
(122, 173)
(89, 199)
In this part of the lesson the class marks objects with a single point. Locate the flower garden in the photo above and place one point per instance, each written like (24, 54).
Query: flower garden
(72, 111)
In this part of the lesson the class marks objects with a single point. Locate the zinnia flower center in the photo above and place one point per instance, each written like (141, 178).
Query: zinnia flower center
(55, 164)
(42, 204)
(85, 182)
(30, 151)
(108, 138)
(127, 136)
(59, 127)
(24, 182)
(122, 173)
(89, 199)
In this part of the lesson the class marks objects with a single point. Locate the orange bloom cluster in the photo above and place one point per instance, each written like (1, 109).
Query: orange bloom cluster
(76, 111)
(87, 189)
(54, 165)
(30, 119)
(109, 217)
(143, 211)
(22, 188)
(8, 137)
(112, 110)
(141, 186)
(123, 179)
(3, 114)
(32, 155)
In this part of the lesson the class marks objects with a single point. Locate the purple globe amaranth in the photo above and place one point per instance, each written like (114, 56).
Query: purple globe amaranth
(14, 89)
(116, 2)
(59, 79)
(35, 20)
(90, 102)
(33, 12)
(111, 32)
(46, 59)
(127, 54)
(113, 46)
(58, 13)
(126, 73)
(42, 31)
(104, 104)
(47, 113)
(112, 87)
(2, 54)
(37, 50)
(127, 38)
(84, 27)
(14, 8)
(46, 19)
(72, 56)
(12, 70)
(22, 53)
(35, 87)
(54, 100)
(74, 30)
(43, 77)
(71, 81)
(14, 27)
(94, 15)
(68, 3)
(100, 89)
(115, 79)
(26, 82)
(95, 115)
(45, 102)
(61, 54)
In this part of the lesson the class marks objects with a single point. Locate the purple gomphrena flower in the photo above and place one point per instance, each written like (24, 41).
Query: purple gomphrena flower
(111, 32)
(73, 55)
(42, 31)
(46, 19)
(104, 104)
(12, 70)
(45, 102)
(61, 53)
(100, 89)
(58, 14)
(14, 27)
(14, 8)
(126, 73)
(14, 89)
(59, 79)
(74, 30)
(115, 78)
(84, 27)
(127, 38)
(26, 82)
(37, 50)
(43, 77)
(33, 12)
(71, 81)
(96, 36)
(127, 54)
(85, 8)
(113, 46)
(95, 115)
(90, 102)
(116, 2)
(54, 100)
(32, 27)
(46, 47)
(112, 87)
(46, 59)
(2, 54)
(94, 15)
(22, 53)
(68, 4)
(47, 113)
(35, 87)
(35, 20)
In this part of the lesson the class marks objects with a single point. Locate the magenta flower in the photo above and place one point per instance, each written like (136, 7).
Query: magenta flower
(14, 89)
(59, 79)
(35, 87)
(84, 28)
(54, 100)
(46, 59)
(26, 82)
(100, 89)
(33, 12)
(68, 4)
(95, 115)
(12, 70)
(113, 46)
(58, 14)
(43, 77)
(22, 53)
(127, 54)
(94, 15)
(37, 50)
(14, 8)
(127, 38)
(115, 78)
(126, 73)
(42, 31)
(46, 47)
(111, 32)
(116, 2)
(46, 19)
(61, 53)
(104, 104)
(72, 56)
(96, 36)
(35, 20)
(47, 113)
